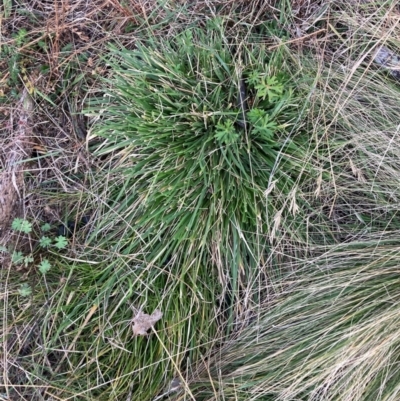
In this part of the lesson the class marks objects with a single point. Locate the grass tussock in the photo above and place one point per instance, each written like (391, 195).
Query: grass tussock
(205, 177)
(240, 174)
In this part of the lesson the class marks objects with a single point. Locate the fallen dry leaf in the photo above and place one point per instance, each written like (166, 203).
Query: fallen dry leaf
(143, 322)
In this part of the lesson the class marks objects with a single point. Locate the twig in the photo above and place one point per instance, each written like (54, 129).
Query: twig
(297, 39)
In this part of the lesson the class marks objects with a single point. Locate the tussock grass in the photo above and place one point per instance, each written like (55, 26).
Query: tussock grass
(270, 249)
(195, 184)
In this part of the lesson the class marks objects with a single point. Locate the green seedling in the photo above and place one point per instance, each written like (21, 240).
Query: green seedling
(44, 266)
(21, 225)
(226, 132)
(25, 290)
(61, 242)
(45, 242)
(18, 258)
(269, 88)
(45, 227)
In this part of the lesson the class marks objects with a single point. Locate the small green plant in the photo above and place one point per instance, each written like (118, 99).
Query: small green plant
(17, 257)
(263, 124)
(21, 225)
(61, 242)
(45, 227)
(269, 88)
(45, 242)
(226, 133)
(25, 290)
(24, 226)
(12, 53)
(44, 266)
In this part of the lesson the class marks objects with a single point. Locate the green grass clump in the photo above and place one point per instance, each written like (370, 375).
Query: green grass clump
(206, 175)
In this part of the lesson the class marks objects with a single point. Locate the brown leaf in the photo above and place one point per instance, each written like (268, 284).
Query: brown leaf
(143, 322)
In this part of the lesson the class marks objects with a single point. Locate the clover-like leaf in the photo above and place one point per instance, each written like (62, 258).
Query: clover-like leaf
(25, 290)
(22, 225)
(61, 242)
(255, 115)
(44, 266)
(45, 242)
(45, 227)
(17, 257)
(16, 224)
(226, 132)
(27, 260)
(262, 124)
(271, 89)
(254, 78)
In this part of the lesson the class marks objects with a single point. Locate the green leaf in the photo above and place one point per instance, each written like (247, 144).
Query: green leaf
(46, 227)
(20, 37)
(262, 124)
(44, 96)
(25, 290)
(16, 224)
(21, 225)
(265, 131)
(226, 132)
(255, 115)
(271, 89)
(3, 249)
(44, 266)
(17, 257)
(27, 260)
(254, 78)
(61, 242)
(45, 242)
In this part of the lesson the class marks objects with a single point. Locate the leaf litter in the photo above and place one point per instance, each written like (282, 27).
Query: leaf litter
(144, 322)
